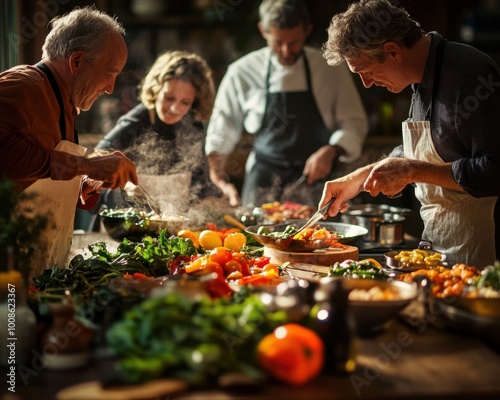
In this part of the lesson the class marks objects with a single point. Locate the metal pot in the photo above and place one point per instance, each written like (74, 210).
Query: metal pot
(385, 224)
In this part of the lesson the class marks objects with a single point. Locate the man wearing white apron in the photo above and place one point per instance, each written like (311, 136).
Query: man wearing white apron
(451, 145)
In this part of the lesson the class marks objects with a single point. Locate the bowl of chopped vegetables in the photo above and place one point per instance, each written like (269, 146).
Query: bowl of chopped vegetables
(373, 303)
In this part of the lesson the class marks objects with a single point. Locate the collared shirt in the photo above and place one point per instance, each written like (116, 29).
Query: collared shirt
(29, 127)
(241, 100)
(464, 122)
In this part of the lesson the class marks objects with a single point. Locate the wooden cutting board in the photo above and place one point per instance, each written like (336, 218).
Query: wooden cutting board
(157, 389)
(319, 257)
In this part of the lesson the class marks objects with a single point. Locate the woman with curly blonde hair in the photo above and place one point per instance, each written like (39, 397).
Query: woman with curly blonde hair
(164, 133)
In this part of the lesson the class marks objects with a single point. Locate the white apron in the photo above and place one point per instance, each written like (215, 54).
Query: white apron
(59, 198)
(457, 224)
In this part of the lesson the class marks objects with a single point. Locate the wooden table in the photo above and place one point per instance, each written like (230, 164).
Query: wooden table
(404, 361)
(399, 363)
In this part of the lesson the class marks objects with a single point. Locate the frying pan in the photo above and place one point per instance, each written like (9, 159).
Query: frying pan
(351, 234)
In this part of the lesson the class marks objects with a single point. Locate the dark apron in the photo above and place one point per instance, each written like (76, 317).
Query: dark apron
(292, 129)
(62, 121)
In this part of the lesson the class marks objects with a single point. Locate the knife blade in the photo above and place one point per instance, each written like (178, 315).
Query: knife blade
(316, 216)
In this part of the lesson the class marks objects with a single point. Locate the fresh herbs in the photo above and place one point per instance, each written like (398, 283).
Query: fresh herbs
(85, 277)
(196, 340)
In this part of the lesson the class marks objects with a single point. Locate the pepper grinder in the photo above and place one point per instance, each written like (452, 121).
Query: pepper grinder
(335, 325)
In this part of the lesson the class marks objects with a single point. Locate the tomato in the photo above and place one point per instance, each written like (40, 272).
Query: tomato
(260, 261)
(292, 353)
(218, 288)
(220, 255)
(176, 266)
(232, 266)
(136, 275)
(211, 226)
(243, 261)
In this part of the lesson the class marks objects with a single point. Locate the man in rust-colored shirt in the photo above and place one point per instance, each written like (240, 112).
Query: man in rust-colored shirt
(82, 56)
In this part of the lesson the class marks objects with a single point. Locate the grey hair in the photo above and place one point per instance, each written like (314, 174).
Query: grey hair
(83, 29)
(283, 14)
(188, 67)
(365, 27)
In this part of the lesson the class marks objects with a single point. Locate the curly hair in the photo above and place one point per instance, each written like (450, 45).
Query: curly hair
(188, 67)
(365, 27)
(83, 29)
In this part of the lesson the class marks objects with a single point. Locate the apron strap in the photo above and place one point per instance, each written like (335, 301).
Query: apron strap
(55, 88)
(437, 73)
(439, 63)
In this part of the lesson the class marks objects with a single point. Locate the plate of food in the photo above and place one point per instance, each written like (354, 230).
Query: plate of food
(413, 260)
(322, 235)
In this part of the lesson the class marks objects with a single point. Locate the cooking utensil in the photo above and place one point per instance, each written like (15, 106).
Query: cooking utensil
(317, 215)
(232, 221)
(349, 233)
(385, 223)
(151, 202)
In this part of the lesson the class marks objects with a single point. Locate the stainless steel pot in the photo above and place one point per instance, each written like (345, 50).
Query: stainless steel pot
(385, 224)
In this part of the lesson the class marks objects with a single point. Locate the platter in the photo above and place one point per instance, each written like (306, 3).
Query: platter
(350, 234)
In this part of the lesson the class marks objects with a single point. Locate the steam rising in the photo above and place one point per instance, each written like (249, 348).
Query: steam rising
(167, 161)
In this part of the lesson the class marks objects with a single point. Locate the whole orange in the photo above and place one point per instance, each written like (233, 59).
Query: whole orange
(209, 239)
(292, 353)
(235, 241)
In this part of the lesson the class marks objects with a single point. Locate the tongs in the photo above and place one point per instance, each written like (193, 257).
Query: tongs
(151, 202)
(316, 216)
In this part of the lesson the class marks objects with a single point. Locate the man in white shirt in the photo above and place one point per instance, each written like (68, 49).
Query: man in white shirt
(304, 114)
